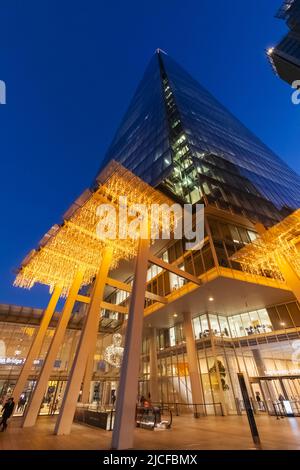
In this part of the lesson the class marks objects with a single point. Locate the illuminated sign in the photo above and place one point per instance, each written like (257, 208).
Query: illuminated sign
(283, 372)
(16, 361)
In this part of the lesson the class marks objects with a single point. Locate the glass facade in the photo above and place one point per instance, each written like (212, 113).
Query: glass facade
(259, 343)
(246, 343)
(290, 45)
(175, 134)
(285, 57)
(141, 143)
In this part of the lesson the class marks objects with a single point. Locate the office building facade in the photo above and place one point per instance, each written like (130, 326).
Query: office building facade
(285, 56)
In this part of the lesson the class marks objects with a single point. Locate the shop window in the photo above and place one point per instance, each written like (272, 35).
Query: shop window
(244, 235)
(176, 282)
(172, 336)
(175, 251)
(274, 317)
(188, 264)
(198, 263)
(252, 235)
(238, 326)
(195, 195)
(152, 272)
(294, 312)
(214, 228)
(226, 232)
(197, 327)
(204, 325)
(161, 340)
(232, 327)
(264, 320)
(235, 234)
(285, 319)
(224, 326)
(221, 254)
(208, 258)
(214, 324)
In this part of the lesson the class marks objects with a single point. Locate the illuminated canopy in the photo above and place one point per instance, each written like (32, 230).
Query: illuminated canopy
(283, 239)
(74, 244)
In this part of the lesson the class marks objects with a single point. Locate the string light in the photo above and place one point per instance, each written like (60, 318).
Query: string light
(74, 245)
(261, 257)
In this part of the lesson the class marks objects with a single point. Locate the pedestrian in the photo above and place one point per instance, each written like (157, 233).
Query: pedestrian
(21, 403)
(7, 411)
(142, 400)
(258, 399)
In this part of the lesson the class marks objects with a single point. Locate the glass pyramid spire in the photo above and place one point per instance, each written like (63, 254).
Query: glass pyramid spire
(177, 136)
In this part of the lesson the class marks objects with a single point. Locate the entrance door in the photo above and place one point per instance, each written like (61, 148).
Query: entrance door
(53, 397)
(259, 397)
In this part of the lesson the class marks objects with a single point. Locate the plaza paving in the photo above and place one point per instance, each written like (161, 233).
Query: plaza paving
(187, 433)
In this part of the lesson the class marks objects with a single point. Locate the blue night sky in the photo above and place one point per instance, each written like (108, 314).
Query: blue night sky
(71, 68)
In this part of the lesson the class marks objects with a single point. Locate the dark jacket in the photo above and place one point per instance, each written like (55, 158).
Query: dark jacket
(8, 408)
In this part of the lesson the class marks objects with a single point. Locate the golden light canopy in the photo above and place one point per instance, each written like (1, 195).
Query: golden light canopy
(283, 239)
(74, 244)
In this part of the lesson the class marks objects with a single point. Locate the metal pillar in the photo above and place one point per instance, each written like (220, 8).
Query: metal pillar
(153, 383)
(86, 385)
(37, 343)
(86, 345)
(124, 425)
(32, 410)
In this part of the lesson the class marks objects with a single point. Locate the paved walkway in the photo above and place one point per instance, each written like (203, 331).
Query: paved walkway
(187, 433)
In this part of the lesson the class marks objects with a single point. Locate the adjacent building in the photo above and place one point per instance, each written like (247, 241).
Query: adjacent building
(285, 57)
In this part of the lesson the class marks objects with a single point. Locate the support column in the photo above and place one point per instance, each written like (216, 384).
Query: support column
(268, 390)
(261, 368)
(216, 365)
(32, 410)
(191, 351)
(37, 343)
(153, 383)
(86, 386)
(124, 425)
(87, 344)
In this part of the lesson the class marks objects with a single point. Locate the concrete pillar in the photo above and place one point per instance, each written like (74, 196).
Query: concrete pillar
(191, 352)
(153, 383)
(32, 410)
(88, 374)
(268, 390)
(124, 425)
(216, 364)
(37, 343)
(73, 347)
(261, 368)
(86, 346)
